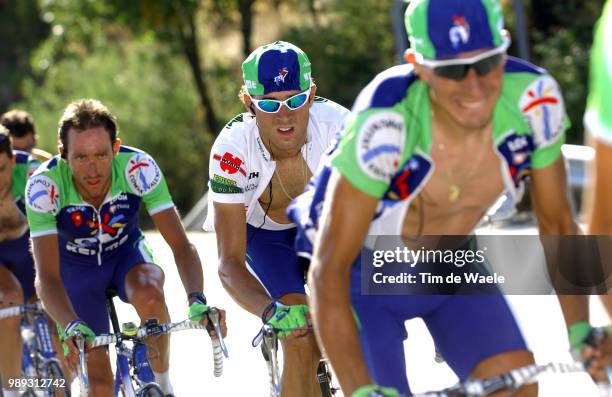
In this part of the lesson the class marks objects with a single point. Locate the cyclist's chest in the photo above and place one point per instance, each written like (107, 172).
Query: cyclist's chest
(83, 223)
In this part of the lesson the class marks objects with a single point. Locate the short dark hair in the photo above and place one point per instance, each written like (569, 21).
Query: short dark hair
(6, 143)
(18, 122)
(84, 114)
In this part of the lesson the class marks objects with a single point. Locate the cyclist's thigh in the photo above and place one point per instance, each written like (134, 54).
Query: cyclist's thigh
(271, 258)
(137, 257)
(382, 334)
(86, 287)
(470, 328)
(15, 255)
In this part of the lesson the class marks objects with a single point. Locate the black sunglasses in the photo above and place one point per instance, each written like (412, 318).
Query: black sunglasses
(457, 69)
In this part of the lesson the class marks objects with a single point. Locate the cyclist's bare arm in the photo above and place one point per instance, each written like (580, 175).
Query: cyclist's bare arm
(549, 198)
(346, 217)
(601, 215)
(50, 287)
(49, 284)
(185, 254)
(230, 226)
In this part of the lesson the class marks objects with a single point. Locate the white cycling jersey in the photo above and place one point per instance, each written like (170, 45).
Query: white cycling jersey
(241, 167)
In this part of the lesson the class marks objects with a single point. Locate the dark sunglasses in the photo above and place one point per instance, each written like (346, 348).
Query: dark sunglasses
(457, 69)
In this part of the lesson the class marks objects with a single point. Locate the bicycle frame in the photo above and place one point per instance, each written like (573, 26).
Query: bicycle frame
(141, 366)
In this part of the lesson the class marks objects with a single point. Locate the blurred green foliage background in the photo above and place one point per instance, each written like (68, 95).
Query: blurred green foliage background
(170, 69)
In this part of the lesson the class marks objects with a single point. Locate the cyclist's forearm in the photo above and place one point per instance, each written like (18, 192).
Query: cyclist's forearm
(242, 286)
(190, 269)
(55, 301)
(336, 329)
(575, 308)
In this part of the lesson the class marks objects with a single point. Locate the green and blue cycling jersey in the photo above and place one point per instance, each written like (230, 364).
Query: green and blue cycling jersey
(598, 117)
(89, 235)
(25, 165)
(385, 148)
(15, 253)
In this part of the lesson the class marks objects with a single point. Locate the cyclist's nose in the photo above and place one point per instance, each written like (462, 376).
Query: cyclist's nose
(473, 83)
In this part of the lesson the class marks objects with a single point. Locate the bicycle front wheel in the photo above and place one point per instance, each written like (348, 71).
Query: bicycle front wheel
(59, 386)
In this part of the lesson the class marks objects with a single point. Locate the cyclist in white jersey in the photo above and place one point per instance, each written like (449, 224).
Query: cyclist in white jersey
(261, 160)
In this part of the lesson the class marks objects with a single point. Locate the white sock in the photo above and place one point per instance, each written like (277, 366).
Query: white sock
(10, 393)
(163, 380)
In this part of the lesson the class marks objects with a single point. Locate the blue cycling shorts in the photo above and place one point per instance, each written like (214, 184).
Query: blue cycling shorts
(466, 329)
(86, 285)
(271, 257)
(16, 257)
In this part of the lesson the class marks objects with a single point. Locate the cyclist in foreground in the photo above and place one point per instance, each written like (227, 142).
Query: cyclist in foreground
(82, 208)
(16, 264)
(598, 123)
(261, 160)
(430, 147)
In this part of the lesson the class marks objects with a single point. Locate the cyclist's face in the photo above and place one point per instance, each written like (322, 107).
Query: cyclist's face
(6, 172)
(469, 103)
(90, 154)
(285, 130)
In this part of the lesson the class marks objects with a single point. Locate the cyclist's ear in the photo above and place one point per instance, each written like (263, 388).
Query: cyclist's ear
(116, 146)
(313, 91)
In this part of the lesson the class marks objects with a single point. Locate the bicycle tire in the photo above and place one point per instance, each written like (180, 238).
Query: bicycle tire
(54, 371)
(151, 390)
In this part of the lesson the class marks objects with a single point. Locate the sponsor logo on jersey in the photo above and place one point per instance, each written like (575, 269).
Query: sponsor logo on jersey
(222, 185)
(111, 226)
(379, 145)
(77, 218)
(542, 106)
(251, 186)
(229, 163)
(42, 194)
(408, 178)
(516, 150)
(142, 173)
(280, 77)
(459, 33)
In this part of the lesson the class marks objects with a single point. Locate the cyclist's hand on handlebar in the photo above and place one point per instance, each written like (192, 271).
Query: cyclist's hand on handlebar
(199, 310)
(67, 338)
(375, 391)
(592, 346)
(291, 322)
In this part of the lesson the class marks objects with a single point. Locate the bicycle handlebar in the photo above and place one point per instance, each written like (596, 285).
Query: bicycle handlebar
(145, 331)
(20, 309)
(510, 380)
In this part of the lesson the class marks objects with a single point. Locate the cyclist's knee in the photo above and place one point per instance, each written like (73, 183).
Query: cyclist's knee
(303, 347)
(10, 289)
(145, 287)
(294, 299)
